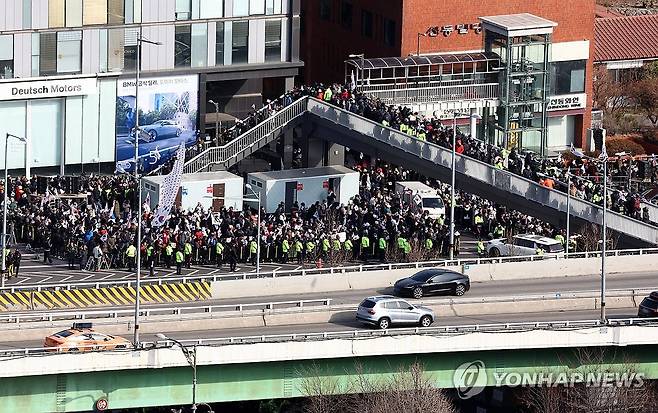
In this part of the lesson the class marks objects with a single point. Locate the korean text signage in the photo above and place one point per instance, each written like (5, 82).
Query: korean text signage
(47, 89)
(448, 29)
(567, 102)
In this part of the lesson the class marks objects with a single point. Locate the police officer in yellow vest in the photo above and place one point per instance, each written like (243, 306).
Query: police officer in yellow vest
(285, 248)
(381, 248)
(150, 259)
(325, 248)
(253, 251)
(480, 248)
(131, 253)
(169, 252)
(348, 249)
(298, 248)
(365, 244)
(180, 258)
(187, 250)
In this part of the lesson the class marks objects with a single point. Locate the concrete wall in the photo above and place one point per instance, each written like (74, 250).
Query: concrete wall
(378, 281)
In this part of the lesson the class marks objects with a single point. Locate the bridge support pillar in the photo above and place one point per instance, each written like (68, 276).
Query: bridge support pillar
(287, 148)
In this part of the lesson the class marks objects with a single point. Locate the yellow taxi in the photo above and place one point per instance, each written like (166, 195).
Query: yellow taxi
(81, 337)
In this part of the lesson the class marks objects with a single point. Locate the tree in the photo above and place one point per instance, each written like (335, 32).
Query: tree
(631, 397)
(409, 390)
(645, 95)
(609, 95)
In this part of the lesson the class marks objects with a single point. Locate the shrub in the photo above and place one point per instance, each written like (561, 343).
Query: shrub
(623, 145)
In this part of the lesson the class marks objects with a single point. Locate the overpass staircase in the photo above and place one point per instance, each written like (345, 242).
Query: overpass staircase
(346, 128)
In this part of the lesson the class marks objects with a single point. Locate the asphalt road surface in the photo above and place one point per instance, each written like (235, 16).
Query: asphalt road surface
(354, 325)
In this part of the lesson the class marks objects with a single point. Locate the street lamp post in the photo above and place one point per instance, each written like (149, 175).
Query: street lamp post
(212, 102)
(190, 356)
(473, 116)
(138, 275)
(257, 195)
(363, 60)
(602, 158)
(4, 207)
(568, 211)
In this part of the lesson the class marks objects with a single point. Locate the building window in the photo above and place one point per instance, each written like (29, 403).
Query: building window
(241, 8)
(273, 41)
(94, 12)
(35, 54)
(325, 9)
(366, 23)
(183, 46)
(211, 8)
(48, 54)
(200, 45)
(56, 13)
(240, 51)
(6, 56)
(273, 7)
(568, 77)
(130, 49)
(219, 44)
(183, 9)
(256, 7)
(346, 12)
(27, 14)
(73, 12)
(69, 48)
(116, 13)
(389, 32)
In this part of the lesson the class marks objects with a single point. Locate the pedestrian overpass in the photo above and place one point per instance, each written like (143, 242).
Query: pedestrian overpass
(268, 367)
(322, 120)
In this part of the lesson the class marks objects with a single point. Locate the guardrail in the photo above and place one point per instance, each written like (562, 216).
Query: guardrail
(248, 140)
(436, 94)
(452, 330)
(332, 270)
(315, 304)
(431, 331)
(36, 316)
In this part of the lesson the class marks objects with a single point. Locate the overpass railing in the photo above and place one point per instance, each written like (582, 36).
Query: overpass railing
(15, 320)
(473, 169)
(435, 94)
(251, 140)
(553, 325)
(459, 262)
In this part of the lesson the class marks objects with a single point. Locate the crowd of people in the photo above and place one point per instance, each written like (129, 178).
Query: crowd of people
(587, 182)
(97, 230)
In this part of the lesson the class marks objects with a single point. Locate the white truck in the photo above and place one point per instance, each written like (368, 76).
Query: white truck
(421, 197)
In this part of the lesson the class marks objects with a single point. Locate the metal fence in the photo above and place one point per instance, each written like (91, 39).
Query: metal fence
(555, 325)
(37, 316)
(248, 141)
(460, 262)
(436, 94)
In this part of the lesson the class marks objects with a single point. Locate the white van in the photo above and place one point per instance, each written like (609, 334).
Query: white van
(421, 197)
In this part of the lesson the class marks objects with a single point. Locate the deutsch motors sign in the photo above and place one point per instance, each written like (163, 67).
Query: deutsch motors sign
(47, 89)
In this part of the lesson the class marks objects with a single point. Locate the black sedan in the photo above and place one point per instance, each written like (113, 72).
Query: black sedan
(432, 281)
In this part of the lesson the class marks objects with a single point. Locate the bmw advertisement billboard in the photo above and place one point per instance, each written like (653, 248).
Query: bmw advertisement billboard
(168, 115)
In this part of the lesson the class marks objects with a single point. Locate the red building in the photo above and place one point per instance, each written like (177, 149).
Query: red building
(334, 29)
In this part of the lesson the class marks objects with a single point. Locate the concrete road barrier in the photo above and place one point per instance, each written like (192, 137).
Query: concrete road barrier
(342, 314)
(379, 280)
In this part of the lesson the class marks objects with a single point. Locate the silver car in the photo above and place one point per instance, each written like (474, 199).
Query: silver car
(384, 310)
